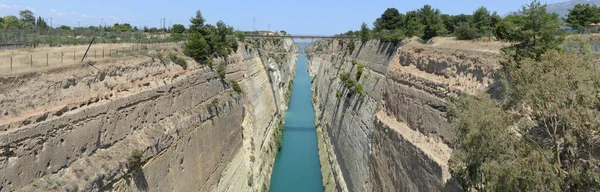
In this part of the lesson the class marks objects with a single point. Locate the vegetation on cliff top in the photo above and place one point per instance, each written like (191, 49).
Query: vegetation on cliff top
(541, 132)
(208, 41)
(428, 22)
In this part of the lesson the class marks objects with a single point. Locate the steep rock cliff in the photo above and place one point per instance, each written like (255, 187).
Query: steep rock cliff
(75, 128)
(395, 137)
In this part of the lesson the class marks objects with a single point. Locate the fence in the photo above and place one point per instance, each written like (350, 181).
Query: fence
(31, 59)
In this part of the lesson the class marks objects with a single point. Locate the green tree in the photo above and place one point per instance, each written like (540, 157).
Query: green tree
(365, 32)
(64, 27)
(41, 24)
(197, 47)
(547, 143)
(464, 31)
(11, 22)
(481, 21)
(583, 14)
(27, 16)
(535, 29)
(178, 28)
(197, 21)
(413, 24)
(430, 19)
(390, 20)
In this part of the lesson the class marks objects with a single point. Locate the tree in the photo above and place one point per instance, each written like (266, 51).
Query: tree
(198, 20)
(464, 31)
(27, 16)
(178, 28)
(535, 29)
(197, 47)
(365, 32)
(548, 143)
(64, 27)
(507, 29)
(413, 24)
(11, 22)
(430, 19)
(583, 14)
(390, 20)
(481, 20)
(41, 24)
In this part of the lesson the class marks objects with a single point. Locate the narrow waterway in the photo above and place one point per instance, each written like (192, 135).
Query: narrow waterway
(297, 165)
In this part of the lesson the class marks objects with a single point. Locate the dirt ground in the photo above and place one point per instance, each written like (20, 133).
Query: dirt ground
(18, 61)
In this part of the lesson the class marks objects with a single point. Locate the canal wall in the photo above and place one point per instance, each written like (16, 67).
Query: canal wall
(394, 136)
(144, 123)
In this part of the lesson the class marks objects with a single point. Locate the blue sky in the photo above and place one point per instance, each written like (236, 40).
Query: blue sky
(308, 17)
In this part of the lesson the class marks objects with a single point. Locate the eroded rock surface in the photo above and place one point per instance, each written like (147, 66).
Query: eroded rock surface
(396, 136)
(75, 128)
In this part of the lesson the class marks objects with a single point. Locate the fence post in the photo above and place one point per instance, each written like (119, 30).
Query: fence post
(73, 55)
(10, 63)
(31, 60)
(95, 57)
(102, 52)
(61, 56)
(47, 59)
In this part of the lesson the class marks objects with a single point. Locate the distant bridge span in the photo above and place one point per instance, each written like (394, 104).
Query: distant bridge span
(299, 37)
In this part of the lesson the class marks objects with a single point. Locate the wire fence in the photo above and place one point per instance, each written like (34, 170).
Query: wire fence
(33, 59)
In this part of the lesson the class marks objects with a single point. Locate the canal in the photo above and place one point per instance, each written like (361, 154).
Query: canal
(297, 166)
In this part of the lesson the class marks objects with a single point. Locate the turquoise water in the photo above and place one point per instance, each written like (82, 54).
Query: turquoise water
(297, 166)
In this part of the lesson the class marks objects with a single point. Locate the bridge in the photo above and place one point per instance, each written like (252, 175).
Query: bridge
(298, 37)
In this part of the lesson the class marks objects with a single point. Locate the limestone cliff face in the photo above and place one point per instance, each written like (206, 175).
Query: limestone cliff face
(396, 137)
(75, 128)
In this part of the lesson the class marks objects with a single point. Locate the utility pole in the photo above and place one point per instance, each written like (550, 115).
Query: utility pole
(79, 24)
(101, 21)
(50, 22)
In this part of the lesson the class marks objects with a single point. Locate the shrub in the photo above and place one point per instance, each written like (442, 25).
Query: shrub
(359, 72)
(250, 180)
(236, 87)
(135, 160)
(279, 137)
(394, 36)
(178, 60)
(221, 70)
(197, 47)
(463, 31)
(351, 46)
(338, 94)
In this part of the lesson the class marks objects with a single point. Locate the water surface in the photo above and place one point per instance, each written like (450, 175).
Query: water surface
(297, 166)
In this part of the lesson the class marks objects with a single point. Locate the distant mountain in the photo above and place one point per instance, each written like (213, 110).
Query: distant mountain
(562, 8)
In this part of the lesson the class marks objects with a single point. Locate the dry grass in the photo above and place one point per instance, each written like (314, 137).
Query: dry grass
(40, 59)
(595, 36)
(474, 45)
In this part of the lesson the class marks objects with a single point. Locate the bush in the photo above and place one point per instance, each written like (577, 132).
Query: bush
(394, 36)
(221, 70)
(236, 87)
(135, 160)
(351, 46)
(359, 71)
(463, 31)
(197, 47)
(178, 60)
(279, 137)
